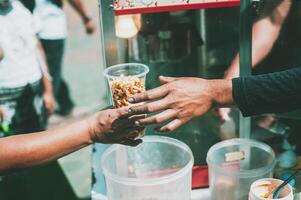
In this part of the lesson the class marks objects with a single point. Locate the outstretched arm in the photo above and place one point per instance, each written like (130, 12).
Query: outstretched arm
(109, 126)
(182, 99)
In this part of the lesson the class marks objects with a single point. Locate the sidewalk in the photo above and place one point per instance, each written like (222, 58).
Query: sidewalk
(82, 72)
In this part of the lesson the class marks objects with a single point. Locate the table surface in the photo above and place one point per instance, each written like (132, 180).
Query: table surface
(200, 194)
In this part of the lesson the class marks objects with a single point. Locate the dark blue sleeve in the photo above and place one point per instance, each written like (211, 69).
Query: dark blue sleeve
(269, 93)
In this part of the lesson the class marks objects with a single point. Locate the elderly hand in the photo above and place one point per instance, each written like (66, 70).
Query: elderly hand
(181, 99)
(115, 126)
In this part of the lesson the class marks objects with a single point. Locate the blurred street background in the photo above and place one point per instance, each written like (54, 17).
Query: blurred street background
(82, 72)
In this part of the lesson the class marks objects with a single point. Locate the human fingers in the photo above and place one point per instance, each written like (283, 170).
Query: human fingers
(137, 117)
(131, 142)
(165, 79)
(150, 107)
(159, 118)
(124, 124)
(173, 125)
(152, 94)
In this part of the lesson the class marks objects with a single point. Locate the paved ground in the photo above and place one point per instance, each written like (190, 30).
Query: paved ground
(82, 71)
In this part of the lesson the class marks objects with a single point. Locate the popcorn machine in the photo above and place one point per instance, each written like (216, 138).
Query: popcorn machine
(196, 38)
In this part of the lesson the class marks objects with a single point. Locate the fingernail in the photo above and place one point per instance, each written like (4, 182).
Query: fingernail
(131, 100)
(130, 110)
(157, 129)
(137, 123)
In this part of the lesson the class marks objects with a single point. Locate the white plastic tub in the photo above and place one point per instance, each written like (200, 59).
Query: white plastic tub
(232, 179)
(158, 169)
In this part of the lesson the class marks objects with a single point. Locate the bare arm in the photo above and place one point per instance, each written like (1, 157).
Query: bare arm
(182, 99)
(109, 126)
(38, 148)
(265, 33)
(81, 10)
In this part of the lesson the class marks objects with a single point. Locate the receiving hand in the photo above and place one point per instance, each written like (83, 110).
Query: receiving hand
(181, 99)
(116, 126)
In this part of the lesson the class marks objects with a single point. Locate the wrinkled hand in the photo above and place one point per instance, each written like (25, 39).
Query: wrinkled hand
(90, 27)
(49, 102)
(116, 126)
(181, 99)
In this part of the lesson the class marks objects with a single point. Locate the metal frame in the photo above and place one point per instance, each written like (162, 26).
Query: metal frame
(177, 7)
(245, 52)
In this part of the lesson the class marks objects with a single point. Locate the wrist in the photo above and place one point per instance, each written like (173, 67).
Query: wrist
(232, 72)
(96, 127)
(222, 92)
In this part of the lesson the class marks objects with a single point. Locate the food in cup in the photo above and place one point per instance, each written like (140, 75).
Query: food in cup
(125, 80)
(263, 190)
(122, 89)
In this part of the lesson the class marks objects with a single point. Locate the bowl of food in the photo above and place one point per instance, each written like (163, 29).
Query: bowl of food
(263, 189)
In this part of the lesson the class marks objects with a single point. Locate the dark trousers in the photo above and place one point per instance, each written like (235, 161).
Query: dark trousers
(26, 105)
(54, 50)
(40, 183)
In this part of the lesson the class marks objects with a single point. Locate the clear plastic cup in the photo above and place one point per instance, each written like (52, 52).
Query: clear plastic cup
(125, 80)
(259, 189)
(158, 169)
(235, 164)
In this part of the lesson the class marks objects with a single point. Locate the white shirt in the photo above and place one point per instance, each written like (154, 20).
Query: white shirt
(51, 20)
(20, 64)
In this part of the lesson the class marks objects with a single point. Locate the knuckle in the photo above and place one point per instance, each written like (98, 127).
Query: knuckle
(147, 96)
(158, 120)
(168, 129)
(149, 108)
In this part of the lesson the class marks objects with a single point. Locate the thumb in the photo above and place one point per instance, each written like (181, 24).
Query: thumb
(164, 79)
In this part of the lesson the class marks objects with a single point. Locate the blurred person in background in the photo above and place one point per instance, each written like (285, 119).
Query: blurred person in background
(25, 100)
(52, 31)
(276, 46)
(276, 42)
(25, 85)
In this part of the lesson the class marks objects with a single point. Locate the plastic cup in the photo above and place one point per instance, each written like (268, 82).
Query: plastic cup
(259, 189)
(125, 80)
(158, 169)
(235, 164)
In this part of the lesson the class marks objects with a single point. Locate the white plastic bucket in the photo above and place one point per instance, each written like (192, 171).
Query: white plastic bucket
(158, 169)
(232, 179)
